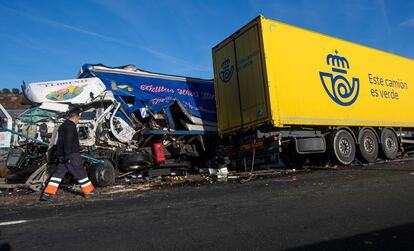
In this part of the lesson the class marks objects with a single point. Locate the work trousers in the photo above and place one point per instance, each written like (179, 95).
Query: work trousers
(74, 166)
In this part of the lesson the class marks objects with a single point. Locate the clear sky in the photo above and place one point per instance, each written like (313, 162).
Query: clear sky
(50, 39)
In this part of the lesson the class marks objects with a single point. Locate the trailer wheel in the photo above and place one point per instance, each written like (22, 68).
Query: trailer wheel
(389, 144)
(103, 174)
(341, 146)
(368, 146)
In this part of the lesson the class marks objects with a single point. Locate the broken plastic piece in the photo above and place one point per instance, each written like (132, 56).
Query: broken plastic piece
(221, 173)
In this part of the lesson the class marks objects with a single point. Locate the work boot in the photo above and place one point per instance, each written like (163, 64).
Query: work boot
(91, 195)
(46, 197)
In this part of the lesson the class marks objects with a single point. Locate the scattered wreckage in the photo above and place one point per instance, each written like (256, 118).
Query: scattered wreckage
(133, 123)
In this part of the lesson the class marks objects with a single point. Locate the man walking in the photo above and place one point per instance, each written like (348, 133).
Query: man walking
(68, 152)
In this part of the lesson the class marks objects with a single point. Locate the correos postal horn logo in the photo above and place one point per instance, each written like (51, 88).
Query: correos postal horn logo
(336, 83)
(226, 71)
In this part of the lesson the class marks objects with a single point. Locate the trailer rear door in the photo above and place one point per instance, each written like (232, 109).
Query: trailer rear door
(241, 89)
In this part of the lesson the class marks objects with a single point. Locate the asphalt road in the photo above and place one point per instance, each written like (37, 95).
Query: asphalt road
(352, 209)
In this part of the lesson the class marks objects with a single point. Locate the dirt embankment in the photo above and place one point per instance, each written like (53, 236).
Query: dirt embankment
(13, 101)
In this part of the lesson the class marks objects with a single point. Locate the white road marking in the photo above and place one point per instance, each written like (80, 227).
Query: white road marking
(13, 222)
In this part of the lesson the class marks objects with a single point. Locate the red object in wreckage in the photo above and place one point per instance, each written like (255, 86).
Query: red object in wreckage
(159, 153)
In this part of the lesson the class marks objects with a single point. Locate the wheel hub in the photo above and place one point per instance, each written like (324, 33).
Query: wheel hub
(389, 144)
(345, 147)
(369, 145)
(105, 175)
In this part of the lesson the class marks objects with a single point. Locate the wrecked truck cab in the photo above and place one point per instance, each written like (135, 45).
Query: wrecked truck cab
(139, 123)
(36, 128)
(172, 113)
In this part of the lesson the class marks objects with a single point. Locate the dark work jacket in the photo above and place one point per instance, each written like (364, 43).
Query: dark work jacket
(68, 140)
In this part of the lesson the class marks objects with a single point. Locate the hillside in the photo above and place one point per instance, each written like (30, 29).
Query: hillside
(13, 101)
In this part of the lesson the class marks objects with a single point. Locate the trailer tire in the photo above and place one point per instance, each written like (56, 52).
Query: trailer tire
(368, 146)
(389, 144)
(102, 175)
(341, 147)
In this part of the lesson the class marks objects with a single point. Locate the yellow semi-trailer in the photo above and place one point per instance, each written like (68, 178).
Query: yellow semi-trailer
(312, 92)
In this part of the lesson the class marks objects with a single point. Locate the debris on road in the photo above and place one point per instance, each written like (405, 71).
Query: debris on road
(219, 174)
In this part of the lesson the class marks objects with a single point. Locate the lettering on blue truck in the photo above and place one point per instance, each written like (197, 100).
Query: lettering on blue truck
(336, 83)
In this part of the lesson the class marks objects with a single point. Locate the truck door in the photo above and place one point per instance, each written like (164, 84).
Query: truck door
(251, 76)
(239, 78)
